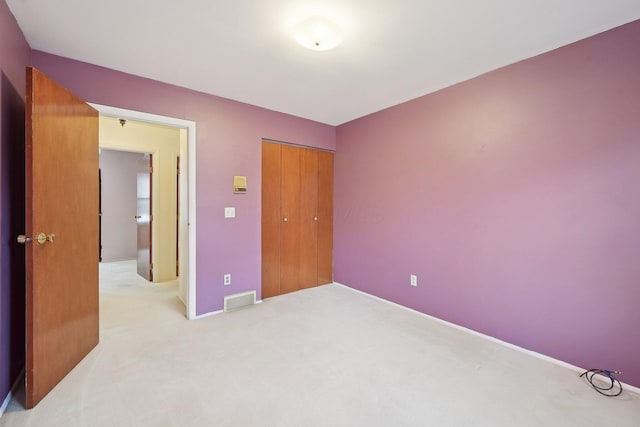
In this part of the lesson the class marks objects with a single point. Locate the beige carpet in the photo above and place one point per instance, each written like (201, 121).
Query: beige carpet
(322, 357)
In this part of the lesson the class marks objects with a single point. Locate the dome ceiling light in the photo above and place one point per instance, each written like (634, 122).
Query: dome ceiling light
(318, 33)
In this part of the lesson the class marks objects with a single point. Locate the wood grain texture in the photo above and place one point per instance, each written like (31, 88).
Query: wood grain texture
(271, 219)
(308, 231)
(61, 198)
(325, 217)
(297, 184)
(291, 228)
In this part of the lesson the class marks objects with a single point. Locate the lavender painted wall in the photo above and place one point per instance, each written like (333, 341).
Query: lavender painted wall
(515, 198)
(229, 137)
(119, 203)
(14, 57)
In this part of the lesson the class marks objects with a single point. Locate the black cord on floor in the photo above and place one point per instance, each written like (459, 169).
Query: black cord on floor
(612, 390)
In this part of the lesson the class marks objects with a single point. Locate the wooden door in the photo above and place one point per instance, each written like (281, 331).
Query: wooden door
(325, 217)
(271, 219)
(144, 221)
(308, 228)
(99, 215)
(297, 218)
(291, 226)
(62, 204)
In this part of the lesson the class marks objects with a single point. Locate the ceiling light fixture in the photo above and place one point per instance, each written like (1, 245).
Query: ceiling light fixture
(318, 33)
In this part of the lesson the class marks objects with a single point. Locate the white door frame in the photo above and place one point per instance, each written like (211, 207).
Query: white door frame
(190, 200)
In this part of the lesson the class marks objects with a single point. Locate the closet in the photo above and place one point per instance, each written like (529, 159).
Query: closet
(297, 218)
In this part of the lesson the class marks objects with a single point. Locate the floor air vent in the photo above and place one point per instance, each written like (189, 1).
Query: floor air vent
(237, 301)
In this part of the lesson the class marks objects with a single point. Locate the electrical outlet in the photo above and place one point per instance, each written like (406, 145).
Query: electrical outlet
(227, 279)
(413, 280)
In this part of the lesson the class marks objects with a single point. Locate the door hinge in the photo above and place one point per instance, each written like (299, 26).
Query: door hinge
(151, 267)
(150, 169)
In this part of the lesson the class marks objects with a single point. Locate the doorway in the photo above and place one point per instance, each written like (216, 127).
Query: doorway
(126, 199)
(185, 183)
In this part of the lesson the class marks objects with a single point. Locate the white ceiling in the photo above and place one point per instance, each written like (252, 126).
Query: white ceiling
(394, 51)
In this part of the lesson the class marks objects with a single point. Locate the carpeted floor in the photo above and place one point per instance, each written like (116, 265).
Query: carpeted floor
(327, 356)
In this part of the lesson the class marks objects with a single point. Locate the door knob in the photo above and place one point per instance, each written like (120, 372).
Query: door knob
(22, 239)
(285, 219)
(138, 216)
(315, 218)
(40, 238)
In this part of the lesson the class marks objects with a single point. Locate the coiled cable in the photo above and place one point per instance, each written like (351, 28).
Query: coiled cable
(612, 390)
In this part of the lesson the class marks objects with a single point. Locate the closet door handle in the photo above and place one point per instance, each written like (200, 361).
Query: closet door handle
(285, 219)
(315, 218)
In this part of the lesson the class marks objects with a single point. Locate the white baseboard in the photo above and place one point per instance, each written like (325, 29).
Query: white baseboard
(211, 313)
(577, 369)
(11, 392)
(214, 313)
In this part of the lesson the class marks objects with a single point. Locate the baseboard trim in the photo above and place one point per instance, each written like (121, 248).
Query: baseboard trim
(577, 369)
(211, 313)
(7, 399)
(215, 313)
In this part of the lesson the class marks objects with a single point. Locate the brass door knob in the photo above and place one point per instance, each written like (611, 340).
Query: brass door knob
(41, 238)
(44, 238)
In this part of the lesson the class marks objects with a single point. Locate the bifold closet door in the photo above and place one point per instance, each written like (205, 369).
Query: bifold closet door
(297, 218)
(325, 217)
(298, 231)
(308, 228)
(271, 219)
(290, 212)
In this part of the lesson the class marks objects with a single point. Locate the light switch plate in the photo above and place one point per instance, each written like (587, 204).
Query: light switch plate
(229, 212)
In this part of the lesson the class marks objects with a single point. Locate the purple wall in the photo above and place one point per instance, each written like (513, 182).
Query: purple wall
(229, 138)
(120, 203)
(515, 199)
(14, 57)
(512, 196)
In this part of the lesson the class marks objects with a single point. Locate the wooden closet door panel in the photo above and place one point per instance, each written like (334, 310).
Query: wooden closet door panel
(291, 220)
(309, 214)
(271, 219)
(325, 217)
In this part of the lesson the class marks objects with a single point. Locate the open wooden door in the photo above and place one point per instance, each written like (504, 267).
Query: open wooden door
(61, 233)
(143, 221)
